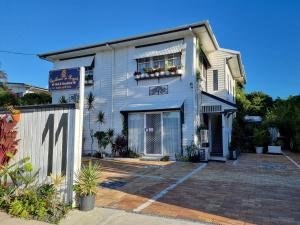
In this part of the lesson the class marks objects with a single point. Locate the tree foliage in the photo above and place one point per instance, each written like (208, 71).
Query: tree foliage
(9, 98)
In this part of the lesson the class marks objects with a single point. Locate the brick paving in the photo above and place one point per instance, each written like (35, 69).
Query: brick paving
(257, 189)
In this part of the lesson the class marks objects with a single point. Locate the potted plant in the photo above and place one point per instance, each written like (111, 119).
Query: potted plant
(173, 70)
(161, 71)
(15, 113)
(179, 69)
(86, 181)
(157, 71)
(193, 153)
(137, 74)
(232, 151)
(260, 139)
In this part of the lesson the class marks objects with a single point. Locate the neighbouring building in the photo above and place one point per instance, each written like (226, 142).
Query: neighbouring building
(172, 87)
(20, 89)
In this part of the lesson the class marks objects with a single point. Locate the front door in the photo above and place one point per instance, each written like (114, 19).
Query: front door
(216, 135)
(153, 134)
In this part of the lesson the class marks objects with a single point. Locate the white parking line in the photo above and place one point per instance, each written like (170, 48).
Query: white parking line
(289, 158)
(165, 191)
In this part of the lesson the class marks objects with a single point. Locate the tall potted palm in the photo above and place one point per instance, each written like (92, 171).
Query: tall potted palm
(86, 181)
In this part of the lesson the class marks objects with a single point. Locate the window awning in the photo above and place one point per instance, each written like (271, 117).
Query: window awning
(159, 49)
(76, 62)
(153, 106)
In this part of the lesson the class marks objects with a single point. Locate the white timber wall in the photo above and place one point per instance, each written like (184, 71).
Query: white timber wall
(218, 62)
(115, 87)
(49, 135)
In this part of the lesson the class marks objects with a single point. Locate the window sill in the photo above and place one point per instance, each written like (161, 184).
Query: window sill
(154, 76)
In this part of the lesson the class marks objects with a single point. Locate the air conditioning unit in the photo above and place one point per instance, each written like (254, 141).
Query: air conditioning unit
(204, 138)
(204, 154)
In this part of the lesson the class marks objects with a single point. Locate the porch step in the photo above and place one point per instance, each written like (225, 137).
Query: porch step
(151, 158)
(218, 158)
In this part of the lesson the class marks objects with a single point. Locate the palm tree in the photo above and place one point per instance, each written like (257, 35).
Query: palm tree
(90, 106)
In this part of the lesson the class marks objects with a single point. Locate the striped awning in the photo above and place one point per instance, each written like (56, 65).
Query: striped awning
(160, 49)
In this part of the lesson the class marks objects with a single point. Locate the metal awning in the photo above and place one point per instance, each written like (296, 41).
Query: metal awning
(76, 62)
(153, 106)
(158, 50)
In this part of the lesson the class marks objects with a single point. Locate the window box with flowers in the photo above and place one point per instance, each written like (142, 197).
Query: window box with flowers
(159, 67)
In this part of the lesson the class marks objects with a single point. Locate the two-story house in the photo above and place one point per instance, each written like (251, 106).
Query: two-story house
(171, 87)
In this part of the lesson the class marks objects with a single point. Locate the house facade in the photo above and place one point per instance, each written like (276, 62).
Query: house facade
(168, 88)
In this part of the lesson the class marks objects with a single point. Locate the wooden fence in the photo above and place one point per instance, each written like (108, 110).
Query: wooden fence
(49, 135)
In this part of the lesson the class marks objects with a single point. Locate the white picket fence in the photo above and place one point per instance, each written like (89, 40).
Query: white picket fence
(49, 135)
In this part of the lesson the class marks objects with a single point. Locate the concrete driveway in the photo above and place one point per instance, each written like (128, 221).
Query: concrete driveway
(255, 189)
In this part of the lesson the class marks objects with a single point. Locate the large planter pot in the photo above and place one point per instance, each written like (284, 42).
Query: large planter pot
(259, 150)
(16, 117)
(87, 203)
(195, 158)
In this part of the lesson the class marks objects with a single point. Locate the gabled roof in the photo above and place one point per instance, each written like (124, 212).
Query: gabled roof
(236, 65)
(192, 27)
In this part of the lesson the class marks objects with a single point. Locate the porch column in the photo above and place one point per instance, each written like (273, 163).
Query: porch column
(224, 141)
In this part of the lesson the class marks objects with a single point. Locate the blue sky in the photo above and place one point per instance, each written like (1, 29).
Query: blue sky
(266, 32)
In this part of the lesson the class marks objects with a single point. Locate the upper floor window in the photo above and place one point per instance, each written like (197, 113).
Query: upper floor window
(163, 61)
(159, 61)
(215, 80)
(143, 63)
(174, 59)
(89, 75)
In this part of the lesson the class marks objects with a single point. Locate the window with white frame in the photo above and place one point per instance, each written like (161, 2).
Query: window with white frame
(143, 63)
(159, 61)
(162, 61)
(174, 59)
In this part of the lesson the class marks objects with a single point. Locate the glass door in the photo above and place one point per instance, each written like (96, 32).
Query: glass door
(153, 134)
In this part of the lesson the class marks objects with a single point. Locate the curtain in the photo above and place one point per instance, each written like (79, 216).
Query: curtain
(136, 132)
(171, 133)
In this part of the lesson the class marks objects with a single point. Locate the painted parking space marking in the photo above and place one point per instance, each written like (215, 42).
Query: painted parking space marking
(289, 158)
(169, 188)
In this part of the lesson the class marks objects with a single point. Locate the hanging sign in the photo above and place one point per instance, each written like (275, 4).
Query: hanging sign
(65, 79)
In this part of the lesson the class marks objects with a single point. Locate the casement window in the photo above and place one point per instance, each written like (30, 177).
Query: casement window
(159, 61)
(215, 80)
(143, 63)
(174, 59)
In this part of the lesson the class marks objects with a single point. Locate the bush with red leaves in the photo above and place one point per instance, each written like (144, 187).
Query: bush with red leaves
(8, 141)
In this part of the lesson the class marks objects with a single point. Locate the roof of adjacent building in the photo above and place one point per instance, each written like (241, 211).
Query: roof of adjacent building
(26, 85)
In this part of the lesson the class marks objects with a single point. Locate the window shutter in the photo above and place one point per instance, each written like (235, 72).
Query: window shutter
(215, 80)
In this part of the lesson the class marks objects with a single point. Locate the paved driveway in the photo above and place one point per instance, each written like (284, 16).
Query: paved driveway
(255, 189)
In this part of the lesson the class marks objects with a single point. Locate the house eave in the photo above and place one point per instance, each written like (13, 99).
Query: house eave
(88, 49)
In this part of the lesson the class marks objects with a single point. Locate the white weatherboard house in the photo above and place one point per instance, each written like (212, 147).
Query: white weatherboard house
(173, 87)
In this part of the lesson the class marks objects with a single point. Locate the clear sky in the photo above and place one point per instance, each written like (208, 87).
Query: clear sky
(266, 32)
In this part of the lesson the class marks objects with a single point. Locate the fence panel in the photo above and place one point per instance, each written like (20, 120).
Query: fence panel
(49, 136)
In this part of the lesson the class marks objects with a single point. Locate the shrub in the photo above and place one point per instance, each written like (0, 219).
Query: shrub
(8, 141)
(119, 146)
(261, 137)
(23, 198)
(165, 158)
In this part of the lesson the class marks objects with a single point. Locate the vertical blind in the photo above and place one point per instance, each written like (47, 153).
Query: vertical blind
(171, 133)
(136, 132)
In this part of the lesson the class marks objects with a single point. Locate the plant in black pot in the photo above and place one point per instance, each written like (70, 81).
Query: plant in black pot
(193, 153)
(86, 185)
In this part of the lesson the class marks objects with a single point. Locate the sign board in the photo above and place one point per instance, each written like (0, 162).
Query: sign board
(65, 79)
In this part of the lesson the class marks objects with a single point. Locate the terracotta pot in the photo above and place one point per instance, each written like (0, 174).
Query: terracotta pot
(16, 117)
